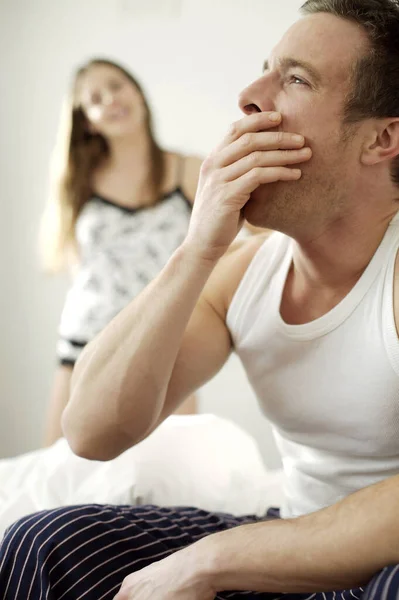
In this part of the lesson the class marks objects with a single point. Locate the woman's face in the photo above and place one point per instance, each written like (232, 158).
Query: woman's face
(112, 104)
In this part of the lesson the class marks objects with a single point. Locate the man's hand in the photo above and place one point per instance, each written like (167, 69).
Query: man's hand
(251, 155)
(176, 577)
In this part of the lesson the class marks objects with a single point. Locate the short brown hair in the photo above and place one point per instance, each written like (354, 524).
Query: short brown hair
(375, 89)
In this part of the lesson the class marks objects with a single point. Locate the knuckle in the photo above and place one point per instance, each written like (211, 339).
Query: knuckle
(280, 137)
(246, 140)
(215, 179)
(255, 158)
(233, 130)
(207, 165)
(255, 174)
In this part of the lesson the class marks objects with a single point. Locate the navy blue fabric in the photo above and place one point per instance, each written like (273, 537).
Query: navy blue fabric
(85, 552)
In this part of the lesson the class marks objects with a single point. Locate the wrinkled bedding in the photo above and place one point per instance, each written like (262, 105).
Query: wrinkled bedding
(197, 460)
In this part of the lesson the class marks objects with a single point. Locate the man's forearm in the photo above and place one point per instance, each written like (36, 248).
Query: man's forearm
(340, 547)
(120, 382)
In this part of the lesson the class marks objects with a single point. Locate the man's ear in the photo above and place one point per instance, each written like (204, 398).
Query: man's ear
(383, 142)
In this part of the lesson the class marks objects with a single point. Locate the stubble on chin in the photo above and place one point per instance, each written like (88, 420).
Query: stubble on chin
(272, 206)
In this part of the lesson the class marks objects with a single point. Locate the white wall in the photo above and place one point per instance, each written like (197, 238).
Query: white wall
(193, 61)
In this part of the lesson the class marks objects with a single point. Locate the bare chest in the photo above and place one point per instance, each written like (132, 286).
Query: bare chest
(123, 186)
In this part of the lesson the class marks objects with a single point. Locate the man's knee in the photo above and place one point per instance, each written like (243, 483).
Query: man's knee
(21, 532)
(35, 532)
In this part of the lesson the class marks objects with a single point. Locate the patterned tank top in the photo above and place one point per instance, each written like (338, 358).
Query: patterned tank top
(121, 251)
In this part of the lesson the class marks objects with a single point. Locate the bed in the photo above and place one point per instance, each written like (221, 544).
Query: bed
(197, 460)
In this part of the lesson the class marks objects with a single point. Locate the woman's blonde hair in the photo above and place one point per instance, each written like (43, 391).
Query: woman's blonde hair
(76, 155)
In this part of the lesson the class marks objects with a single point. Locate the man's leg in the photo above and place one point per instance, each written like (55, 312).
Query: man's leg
(384, 586)
(86, 551)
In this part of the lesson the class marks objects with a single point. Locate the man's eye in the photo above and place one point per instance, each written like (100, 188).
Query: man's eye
(297, 80)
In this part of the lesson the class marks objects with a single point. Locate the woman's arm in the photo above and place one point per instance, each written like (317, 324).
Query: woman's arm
(190, 171)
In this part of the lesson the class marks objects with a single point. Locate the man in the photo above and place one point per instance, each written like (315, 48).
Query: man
(312, 312)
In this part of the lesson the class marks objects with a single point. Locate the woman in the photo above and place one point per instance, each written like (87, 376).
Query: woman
(119, 208)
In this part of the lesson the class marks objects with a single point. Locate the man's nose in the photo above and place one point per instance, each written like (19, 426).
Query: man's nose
(256, 98)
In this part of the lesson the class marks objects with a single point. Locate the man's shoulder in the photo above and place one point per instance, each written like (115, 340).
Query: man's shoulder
(241, 252)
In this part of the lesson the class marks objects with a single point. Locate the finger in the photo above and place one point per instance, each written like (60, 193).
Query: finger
(278, 158)
(241, 188)
(260, 141)
(262, 121)
(122, 595)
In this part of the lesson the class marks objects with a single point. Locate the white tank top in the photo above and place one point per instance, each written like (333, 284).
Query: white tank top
(329, 387)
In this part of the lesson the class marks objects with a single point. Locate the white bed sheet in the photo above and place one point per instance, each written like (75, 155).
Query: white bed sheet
(196, 460)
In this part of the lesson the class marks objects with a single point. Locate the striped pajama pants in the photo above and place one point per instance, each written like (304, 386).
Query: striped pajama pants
(85, 552)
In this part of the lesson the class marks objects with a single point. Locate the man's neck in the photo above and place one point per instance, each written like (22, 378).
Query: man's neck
(326, 267)
(341, 251)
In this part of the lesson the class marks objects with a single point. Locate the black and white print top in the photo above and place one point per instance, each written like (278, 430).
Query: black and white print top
(121, 251)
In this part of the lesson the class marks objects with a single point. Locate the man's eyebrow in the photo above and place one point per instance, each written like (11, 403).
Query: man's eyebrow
(291, 63)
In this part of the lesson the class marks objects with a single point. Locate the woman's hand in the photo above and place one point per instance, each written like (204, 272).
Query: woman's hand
(250, 155)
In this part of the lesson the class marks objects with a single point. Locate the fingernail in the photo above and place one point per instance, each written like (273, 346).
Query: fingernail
(298, 138)
(275, 116)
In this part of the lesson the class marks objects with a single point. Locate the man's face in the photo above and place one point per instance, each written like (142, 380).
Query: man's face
(307, 78)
